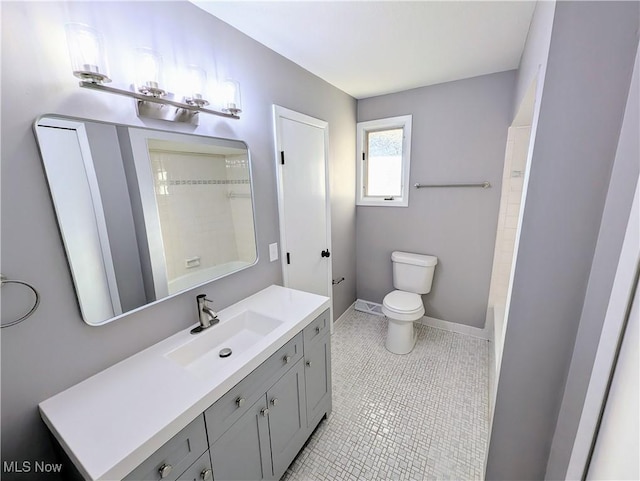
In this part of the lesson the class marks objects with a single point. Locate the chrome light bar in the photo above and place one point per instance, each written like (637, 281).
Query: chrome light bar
(159, 107)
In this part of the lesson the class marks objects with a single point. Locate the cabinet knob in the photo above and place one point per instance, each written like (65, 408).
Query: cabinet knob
(286, 359)
(206, 474)
(264, 412)
(317, 329)
(308, 363)
(164, 470)
(274, 401)
(240, 402)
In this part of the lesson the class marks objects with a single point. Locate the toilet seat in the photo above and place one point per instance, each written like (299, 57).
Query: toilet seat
(403, 306)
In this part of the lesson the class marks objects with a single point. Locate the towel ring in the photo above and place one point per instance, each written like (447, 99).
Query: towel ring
(31, 311)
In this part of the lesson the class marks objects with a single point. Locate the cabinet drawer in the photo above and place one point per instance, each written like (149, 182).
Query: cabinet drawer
(230, 407)
(199, 471)
(317, 328)
(175, 456)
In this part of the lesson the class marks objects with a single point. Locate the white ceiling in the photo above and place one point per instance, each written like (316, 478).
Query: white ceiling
(369, 48)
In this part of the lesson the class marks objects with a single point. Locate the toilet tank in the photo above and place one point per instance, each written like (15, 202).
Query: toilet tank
(413, 272)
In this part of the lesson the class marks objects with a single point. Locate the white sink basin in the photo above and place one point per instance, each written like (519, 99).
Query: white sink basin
(238, 333)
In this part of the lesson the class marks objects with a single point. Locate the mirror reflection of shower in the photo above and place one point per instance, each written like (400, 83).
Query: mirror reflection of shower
(214, 189)
(144, 213)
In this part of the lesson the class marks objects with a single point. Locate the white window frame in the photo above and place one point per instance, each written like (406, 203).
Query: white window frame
(403, 122)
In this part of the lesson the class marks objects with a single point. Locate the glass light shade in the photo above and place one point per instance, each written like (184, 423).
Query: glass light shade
(231, 100)
(86, 50)
(195, 85)
(148, 72)
(196, 81)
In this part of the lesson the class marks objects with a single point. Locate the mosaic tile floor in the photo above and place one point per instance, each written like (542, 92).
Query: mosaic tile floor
(421, 416)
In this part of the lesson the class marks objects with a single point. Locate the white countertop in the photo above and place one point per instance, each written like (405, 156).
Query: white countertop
(113, 421)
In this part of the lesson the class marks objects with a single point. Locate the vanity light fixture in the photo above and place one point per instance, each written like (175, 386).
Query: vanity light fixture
(88, 60)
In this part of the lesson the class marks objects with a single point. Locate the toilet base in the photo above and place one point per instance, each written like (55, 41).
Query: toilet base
(401, 336)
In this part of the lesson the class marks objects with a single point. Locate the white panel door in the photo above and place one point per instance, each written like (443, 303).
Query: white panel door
(303, 201)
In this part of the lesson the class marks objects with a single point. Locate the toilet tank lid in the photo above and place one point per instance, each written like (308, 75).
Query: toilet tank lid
(414, 259)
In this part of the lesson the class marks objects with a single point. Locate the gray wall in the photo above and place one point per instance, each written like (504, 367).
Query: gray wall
(589, 68)
(536, 50)
(54, 349)
(459, 134)
(605, 262)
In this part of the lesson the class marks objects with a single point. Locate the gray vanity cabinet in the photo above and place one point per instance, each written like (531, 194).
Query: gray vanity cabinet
(317, 356)
(255, 430)
(266, 438)
(199, 471)
(287, 418)
(258, 427)
(175, 456)
(242, 452)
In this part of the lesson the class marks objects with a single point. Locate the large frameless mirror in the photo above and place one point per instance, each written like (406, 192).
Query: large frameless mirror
(145, 214)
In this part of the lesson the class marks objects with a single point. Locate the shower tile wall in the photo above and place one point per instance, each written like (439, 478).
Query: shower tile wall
(239, 194)
(511, 198)
(196, 184)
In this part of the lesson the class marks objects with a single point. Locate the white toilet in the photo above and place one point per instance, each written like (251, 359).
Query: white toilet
(412, 276)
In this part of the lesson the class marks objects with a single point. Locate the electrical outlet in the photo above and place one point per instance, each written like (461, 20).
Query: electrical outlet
(273, 252)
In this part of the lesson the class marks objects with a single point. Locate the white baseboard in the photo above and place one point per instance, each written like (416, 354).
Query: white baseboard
(436, 323)
(344, 315)
(454, 327)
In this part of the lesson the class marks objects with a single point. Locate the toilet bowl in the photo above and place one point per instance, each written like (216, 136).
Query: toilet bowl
(402, 309)
(412, 276)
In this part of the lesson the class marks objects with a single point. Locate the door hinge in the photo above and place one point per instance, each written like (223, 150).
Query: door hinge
(288, 258)
(282, 157)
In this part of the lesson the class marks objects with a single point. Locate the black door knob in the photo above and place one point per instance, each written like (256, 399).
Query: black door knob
(325, 253)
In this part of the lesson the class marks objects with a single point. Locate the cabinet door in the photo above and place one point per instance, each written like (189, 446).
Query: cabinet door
(287, 418)
(242, 452)
(318, 380)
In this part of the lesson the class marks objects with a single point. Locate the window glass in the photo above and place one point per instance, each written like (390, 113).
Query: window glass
(382, 171)
(384, 166)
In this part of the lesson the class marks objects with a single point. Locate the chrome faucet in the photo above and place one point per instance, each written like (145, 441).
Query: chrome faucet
(206, 315)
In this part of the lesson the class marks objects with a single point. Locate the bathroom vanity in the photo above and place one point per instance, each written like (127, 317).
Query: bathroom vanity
(180, 411)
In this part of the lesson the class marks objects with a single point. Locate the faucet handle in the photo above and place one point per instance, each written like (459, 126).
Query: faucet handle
(202, 298)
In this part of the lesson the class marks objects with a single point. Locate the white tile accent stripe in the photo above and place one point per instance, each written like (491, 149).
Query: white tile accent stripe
(420, 416)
